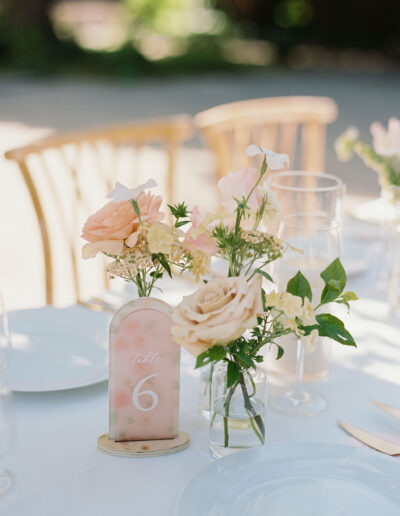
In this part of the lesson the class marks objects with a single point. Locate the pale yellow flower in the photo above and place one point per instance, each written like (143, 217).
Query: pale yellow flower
(160, 238)
(292, 307)
(200, 264)
(307, 314)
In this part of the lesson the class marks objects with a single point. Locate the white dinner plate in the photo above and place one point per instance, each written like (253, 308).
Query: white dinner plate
(296, 480)
(55, 349)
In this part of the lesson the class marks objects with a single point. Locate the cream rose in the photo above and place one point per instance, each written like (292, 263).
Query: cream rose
(217, 313)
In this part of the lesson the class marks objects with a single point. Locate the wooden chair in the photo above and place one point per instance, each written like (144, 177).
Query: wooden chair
(68, 175)
(290, 125)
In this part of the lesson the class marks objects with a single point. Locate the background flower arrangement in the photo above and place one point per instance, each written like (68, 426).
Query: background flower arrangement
(383, 155)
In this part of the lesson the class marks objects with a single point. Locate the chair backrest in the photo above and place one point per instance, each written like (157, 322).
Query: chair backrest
(68, 175)
(290, 125)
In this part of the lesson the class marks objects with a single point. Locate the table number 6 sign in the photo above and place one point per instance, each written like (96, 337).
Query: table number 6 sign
(144, 373)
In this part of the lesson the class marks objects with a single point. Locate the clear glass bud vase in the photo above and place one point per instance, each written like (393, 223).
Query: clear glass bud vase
(237, 415)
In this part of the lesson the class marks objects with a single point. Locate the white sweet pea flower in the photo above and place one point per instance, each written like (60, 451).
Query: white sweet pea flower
(122, 193)
(386, 143)
(274, 161)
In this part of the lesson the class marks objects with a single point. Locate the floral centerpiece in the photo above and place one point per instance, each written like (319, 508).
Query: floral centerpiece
(383, 155)
(229, 320)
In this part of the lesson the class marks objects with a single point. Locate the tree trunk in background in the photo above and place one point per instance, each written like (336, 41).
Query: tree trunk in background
(21, 14)
(27, 38)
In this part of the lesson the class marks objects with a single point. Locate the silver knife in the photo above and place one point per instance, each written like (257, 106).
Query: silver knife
(393, 411)
(371, 440)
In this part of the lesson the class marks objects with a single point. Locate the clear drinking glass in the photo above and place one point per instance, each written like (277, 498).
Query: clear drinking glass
(300, 191)
(318, 194)
(6, 429)
(318, 238)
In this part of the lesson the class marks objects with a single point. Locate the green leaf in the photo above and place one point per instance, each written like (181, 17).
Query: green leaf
(232, 374)
(349, 296)
(264, 274)
(346, 297)
(280, 352)
(264, 299)
(136, 210)
(263, 167)
(173, 210)
(330, 292)
(308, 329)
(203, 359)
(299, 286)
(164, 263)
(245, 360)
(181, 223)
(336, 272)
(332, 327)
(217, 353)
(179, 211)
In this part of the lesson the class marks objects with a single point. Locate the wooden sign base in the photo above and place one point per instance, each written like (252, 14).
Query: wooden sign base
(143, 448)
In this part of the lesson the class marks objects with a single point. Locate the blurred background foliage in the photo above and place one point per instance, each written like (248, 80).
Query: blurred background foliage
(136, 37)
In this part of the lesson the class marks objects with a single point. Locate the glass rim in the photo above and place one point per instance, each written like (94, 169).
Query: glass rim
(332, 223)
(288, 173)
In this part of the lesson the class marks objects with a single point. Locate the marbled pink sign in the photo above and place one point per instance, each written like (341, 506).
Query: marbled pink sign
(144, 373)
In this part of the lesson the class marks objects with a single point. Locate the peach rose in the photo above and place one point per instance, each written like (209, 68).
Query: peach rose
(108, 228)
(217, 313)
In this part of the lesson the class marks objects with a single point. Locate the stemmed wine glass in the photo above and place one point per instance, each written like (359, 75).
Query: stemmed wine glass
(315, 241)
(6, 429)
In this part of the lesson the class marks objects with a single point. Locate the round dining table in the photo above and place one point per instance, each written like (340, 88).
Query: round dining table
(59, 471)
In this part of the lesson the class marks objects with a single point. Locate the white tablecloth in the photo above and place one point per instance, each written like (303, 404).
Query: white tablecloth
(58, 469)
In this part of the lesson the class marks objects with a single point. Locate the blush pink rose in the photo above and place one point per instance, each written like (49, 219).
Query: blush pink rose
(108, 228)
(199, 240)
(238, 184)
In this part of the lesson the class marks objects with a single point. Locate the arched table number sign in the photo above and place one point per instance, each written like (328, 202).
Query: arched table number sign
(143, 382)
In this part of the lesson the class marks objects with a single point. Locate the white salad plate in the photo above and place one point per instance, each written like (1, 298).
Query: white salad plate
(296, 480)
(55, 349)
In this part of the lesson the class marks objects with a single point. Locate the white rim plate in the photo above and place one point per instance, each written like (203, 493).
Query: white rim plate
(297, 479)
(55, 349)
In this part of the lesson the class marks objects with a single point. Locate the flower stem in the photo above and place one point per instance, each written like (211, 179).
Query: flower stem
(226, 406)
(250, 409)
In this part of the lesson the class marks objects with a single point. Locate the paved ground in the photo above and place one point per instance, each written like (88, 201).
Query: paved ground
(31, 106)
